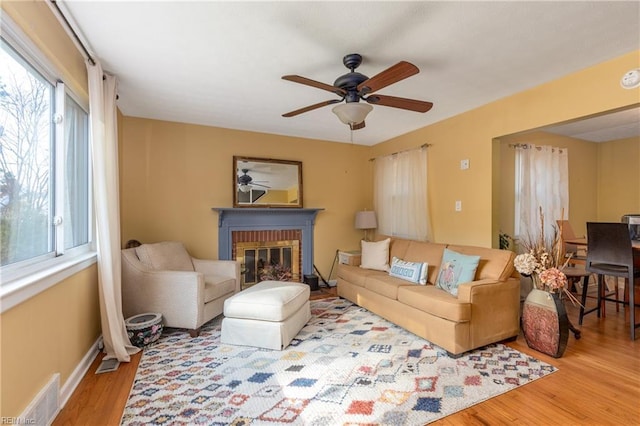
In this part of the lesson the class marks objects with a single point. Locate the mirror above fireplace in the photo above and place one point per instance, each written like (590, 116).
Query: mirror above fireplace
(266, 182)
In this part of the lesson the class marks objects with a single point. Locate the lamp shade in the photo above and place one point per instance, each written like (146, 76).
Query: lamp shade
(352, 112)
(366, 220)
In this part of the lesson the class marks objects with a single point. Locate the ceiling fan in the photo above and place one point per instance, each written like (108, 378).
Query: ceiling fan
(245, 182)
(353, 86)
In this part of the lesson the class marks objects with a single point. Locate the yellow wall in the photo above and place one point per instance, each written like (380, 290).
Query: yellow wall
(51, 332)
(471, 136)
(172, 174)
(618, 179)
(48, 334)
(275, 196)
(292, 195)
(583, 178)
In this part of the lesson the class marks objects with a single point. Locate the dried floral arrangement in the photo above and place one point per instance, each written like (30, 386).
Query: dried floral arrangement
(543, 261)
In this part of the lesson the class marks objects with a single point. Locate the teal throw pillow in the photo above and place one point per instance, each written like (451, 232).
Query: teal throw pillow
(416, 272)
(456, 269)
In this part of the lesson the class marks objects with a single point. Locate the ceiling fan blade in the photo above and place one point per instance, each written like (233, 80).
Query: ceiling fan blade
(303, 80)
(257, 184)
(357, 126)
(311, 107)
(391, 75)
(402, 103)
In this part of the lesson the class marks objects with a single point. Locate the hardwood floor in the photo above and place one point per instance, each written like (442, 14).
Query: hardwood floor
(598, 383)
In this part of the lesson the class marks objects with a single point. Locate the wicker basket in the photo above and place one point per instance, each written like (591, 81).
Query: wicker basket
(144, 329)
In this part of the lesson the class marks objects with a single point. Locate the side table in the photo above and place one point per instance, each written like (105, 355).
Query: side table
(349, 257)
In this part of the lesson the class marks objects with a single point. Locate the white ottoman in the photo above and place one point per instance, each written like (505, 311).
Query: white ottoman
(267, 315)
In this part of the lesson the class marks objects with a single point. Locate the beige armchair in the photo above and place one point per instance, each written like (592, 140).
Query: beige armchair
(164, 278)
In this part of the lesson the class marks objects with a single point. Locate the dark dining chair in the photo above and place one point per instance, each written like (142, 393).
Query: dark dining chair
(609, 252)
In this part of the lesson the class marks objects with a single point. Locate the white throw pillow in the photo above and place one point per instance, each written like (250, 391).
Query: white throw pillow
(416, 272)
(375, 255)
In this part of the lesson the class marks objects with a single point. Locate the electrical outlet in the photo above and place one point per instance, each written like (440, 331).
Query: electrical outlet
(464, 164)
(458, 206)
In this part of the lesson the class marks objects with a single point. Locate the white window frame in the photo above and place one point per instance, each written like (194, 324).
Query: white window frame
(22, 280)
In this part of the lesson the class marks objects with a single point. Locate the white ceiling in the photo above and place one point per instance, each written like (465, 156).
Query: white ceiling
(221, 63)
(616, 125)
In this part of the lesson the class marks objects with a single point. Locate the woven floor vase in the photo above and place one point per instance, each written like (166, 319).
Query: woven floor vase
(544, 323)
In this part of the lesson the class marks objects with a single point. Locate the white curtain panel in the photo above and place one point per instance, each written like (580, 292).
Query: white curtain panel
(104, 144)
(400, 195)
(383, 184)
(542, 181)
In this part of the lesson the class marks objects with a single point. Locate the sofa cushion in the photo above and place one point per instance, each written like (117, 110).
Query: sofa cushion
(398, 248)
(165, 256)
(375, 255)
(435, 301)
(456, 269)
(385, 285)
(494, 264)
(431, 253)
(355, 275)
(216, 286)
(415, 272)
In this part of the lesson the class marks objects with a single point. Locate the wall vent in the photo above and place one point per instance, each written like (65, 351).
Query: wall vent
(44, 408)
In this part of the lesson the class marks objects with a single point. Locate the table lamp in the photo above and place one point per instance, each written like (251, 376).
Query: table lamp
(366, 220)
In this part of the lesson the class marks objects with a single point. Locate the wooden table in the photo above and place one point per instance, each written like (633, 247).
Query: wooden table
(583, 242)
(635, 244)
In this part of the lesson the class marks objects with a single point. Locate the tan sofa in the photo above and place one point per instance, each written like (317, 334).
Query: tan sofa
(485, 311)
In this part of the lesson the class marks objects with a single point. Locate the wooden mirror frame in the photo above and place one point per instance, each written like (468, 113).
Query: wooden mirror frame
(277, 183)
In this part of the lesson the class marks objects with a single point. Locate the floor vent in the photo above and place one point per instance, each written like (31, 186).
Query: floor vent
(45, 406)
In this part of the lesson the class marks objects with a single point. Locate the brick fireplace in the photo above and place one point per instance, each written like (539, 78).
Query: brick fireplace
(255, 235)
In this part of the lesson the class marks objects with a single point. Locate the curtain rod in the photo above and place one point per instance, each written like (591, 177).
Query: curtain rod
(529, 146)
(72, 31)
(78, 42)
(424, 145)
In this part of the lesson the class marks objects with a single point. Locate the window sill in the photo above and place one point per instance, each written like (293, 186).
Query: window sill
(20, 290)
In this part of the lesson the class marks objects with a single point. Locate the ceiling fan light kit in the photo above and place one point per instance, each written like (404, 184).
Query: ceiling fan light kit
(352, 113)
(354, 86)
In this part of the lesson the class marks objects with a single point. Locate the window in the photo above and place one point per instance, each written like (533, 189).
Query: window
(26, 109)
(44, 167)
(77, 178)
(400, 194)
(541, 185)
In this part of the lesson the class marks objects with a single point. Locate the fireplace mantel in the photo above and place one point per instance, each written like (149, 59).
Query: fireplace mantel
(256, 219)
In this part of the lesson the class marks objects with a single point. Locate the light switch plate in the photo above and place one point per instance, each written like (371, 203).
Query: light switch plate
(458, 206)
(464, 164)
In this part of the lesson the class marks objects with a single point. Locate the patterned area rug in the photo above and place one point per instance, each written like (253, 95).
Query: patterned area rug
(347, 366)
